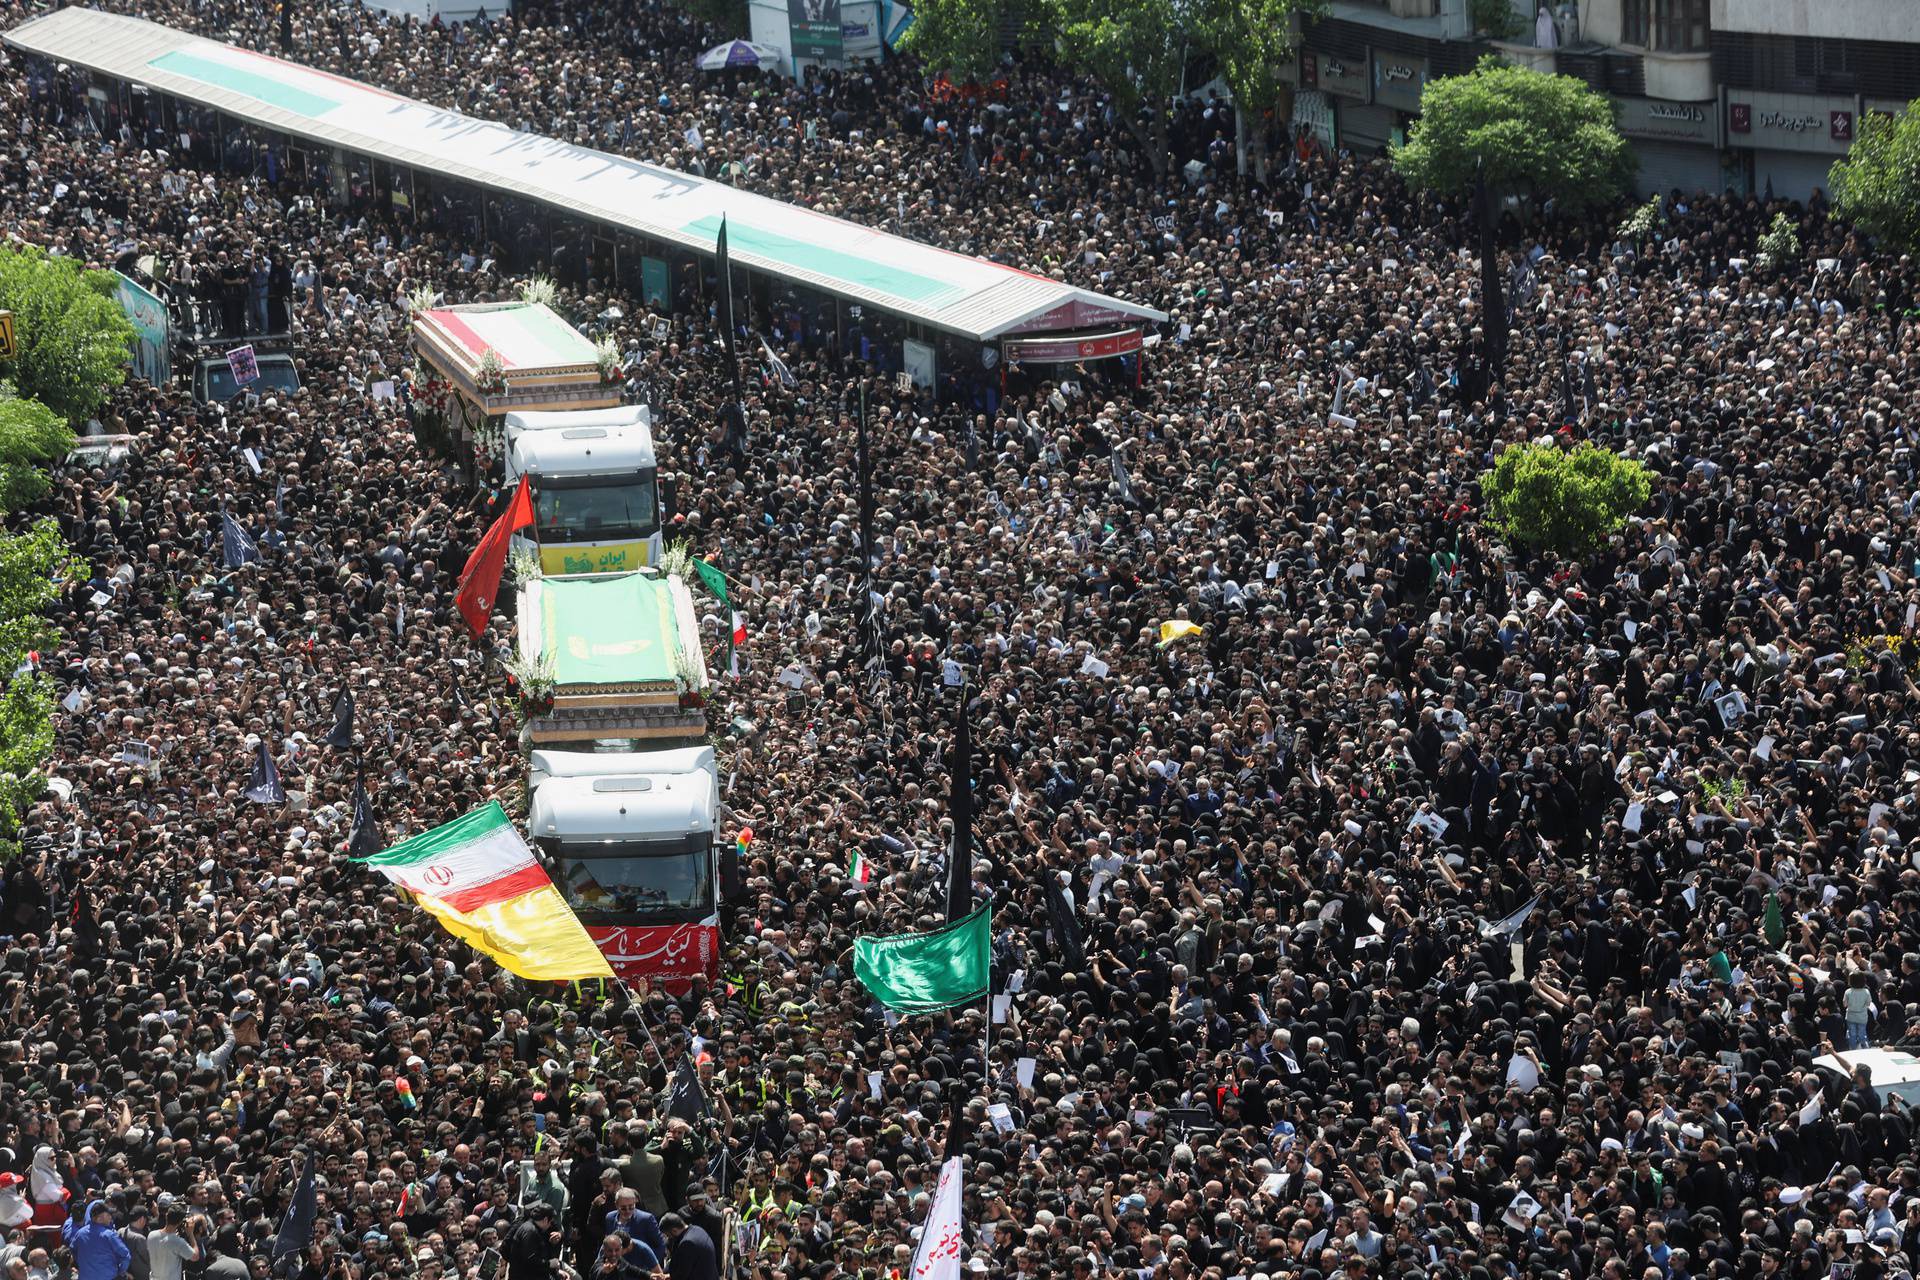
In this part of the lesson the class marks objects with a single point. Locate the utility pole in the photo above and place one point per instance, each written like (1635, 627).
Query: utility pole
(960, 887)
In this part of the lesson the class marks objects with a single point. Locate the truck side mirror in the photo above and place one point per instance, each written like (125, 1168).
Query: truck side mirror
(669, 499)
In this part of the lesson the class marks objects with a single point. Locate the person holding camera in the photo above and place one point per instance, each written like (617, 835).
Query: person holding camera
(170, 1249)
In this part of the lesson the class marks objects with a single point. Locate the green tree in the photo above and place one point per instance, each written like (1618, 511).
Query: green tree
(33, 566)
(962, 37)
(1495, 19)
(1780, 244)
(30, 434)
(1878, 184)
(1253, 40)
(1503, 130)
(1566, 501)
(726, 19)
(72, 335)
(72, 348)
(1134, 49)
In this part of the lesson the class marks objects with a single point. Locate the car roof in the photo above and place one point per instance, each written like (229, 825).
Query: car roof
(1885, 1066)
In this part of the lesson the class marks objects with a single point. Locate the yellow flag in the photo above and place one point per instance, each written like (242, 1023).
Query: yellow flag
(476, 876)
(1179, 629)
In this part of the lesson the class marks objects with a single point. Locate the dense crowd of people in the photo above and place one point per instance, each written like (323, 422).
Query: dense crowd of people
(1439, 909)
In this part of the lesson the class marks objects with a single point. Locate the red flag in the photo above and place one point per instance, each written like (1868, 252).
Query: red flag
(480, 580)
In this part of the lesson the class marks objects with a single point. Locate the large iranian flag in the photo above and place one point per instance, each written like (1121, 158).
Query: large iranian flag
(480, 880)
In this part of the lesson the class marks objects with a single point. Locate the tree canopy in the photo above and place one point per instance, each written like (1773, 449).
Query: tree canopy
(71, 333)
(1560, 500)
(1878, 184)
(1135, 49)
(1252, 40)
(1546, 135)
(31, 435)
(960, 37)
(72, 341)
(32, 567)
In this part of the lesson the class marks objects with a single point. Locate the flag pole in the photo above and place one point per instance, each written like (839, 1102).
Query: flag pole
(960, 881)
(869, 618)
(986, 1041)
(640, 1010)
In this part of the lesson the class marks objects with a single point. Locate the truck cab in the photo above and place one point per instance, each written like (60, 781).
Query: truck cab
(630, 839)
(596, 488)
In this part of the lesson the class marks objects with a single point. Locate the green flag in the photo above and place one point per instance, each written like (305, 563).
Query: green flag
(714, 580)
(1773, 927)
(928, 972)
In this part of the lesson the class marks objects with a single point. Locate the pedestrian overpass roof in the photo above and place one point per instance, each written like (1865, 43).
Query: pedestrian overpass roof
(968, 296)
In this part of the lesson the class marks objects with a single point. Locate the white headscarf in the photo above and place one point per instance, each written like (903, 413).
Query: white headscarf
(14, 1211)
(44, 1183)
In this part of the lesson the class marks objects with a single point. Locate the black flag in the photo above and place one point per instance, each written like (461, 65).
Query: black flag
(340, 737)
(686, 1099)
(1568, 414)
(1066, 929)
(960, 809)
(264, 786)
(363, 841)
(296, 1229)
(237, 546)
(1120, 479)
(725, 265)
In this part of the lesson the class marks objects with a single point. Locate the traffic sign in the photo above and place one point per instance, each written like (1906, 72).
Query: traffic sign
(7, 349)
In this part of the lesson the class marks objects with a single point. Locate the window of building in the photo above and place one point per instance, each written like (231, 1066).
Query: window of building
(1672, 26)
(1633, 21)
(1683, 25)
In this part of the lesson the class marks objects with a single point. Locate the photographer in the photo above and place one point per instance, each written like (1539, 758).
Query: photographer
(176, 1245)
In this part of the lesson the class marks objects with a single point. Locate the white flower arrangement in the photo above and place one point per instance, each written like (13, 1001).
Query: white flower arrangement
(539, 289)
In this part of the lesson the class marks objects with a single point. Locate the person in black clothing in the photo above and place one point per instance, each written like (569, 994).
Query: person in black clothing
(532, 1248)
(233, 297)
(279, 294)
(583, 1186)
(690, 1250)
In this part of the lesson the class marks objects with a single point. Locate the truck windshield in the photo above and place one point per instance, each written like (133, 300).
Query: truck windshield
(596, 508)
(277, 377)
(635, 882)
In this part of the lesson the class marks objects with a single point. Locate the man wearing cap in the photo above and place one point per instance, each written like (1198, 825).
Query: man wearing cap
(98, 1251)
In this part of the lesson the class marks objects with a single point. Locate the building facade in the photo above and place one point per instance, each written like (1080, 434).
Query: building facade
(1715, 95)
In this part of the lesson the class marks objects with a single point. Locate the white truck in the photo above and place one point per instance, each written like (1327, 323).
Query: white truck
(631, 838)
(596, 488)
